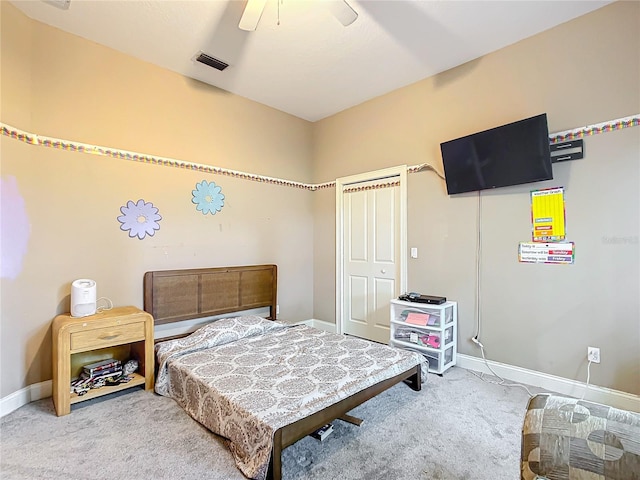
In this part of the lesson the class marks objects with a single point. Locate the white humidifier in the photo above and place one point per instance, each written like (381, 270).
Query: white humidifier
(83, 297)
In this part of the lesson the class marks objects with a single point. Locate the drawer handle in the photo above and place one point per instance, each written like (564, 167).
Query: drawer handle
(109, 337)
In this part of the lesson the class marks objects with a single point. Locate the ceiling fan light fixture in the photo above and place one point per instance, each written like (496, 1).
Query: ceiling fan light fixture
(253, 9)
(251, 15)
(343, 12)
(63, 4)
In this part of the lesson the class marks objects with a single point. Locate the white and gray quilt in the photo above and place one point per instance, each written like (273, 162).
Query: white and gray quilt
(245, 377)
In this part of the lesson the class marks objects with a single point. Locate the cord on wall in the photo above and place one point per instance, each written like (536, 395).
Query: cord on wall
(478, 265)
(502, 380)
(586, 385)
(426, 166)
(109, 305)
(476, 338)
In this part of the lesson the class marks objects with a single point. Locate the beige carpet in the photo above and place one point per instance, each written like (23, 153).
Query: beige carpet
(458, 427)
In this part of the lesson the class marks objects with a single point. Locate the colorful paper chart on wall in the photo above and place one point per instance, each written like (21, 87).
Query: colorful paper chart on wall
(536, 252)
(547, 214)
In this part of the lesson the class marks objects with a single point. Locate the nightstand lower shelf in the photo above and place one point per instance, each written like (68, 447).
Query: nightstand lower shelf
(137, 380)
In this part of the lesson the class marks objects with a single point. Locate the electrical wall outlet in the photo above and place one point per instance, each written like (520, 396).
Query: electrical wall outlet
(593, 354)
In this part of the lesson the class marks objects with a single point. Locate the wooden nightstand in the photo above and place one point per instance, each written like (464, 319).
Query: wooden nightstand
(123, 333)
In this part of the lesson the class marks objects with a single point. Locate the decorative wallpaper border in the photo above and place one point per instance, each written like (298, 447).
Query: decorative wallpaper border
(50, 142)
(71, 146)
(377, 186)
(581, 132)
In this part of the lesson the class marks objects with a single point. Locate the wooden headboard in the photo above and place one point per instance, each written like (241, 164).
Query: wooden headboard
(176, 295)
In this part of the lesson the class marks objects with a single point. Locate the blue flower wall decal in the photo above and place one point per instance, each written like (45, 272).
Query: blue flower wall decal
(139, 218)
(207, 197)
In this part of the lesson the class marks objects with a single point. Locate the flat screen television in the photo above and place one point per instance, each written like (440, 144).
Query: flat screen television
(511, 154)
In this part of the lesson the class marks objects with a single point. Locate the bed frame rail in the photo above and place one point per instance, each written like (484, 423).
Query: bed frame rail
(290, 434)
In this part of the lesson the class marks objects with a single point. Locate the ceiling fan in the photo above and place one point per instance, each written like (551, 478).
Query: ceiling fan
(254, 8)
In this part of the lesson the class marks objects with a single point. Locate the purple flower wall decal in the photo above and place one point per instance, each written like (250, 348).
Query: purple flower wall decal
(139, 218)
(207, 197)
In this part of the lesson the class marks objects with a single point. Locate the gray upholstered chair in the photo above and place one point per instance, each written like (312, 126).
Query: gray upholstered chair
(564, 438)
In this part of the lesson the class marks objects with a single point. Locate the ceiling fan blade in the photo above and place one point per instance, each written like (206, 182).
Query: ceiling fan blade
(343, 12)
(340, 9)
(251, 15)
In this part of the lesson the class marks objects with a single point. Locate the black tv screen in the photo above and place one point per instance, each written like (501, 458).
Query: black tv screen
(511, 154)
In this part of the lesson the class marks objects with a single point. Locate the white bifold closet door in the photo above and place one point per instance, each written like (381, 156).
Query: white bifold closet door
(371, 237)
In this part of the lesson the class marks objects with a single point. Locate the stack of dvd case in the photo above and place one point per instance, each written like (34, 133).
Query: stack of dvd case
(103, 369)
(98, 374)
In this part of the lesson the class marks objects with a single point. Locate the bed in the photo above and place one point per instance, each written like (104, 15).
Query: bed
(260, 383)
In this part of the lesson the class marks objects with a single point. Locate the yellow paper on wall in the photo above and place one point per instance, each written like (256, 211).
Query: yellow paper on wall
(548, 215)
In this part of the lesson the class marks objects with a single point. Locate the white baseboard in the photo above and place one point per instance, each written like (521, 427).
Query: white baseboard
(26, 395)
(551, 383)
(322, 325)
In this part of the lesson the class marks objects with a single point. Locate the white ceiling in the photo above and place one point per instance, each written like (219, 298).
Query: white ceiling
(309, 65)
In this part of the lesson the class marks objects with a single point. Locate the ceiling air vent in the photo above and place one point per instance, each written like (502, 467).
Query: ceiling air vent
(63, 4)
(212, 62)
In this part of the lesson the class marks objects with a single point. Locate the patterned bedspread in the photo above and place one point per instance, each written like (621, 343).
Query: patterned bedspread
(245, 377)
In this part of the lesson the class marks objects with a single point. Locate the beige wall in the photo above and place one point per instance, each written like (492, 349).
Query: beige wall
(534, 316)
(540, 317)
(60, 85)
